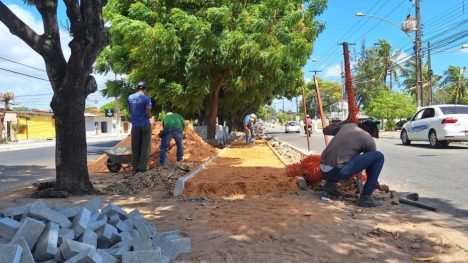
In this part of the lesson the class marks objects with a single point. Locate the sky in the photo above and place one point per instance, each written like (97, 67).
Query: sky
(441, 21)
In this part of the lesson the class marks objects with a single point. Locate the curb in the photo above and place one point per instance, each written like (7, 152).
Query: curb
(180, 183)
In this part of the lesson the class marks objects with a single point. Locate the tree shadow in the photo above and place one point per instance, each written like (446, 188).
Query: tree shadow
(15, 175)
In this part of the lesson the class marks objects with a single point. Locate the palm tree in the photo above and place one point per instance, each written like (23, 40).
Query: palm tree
(409, 84)
(456, 84)
(388, 61)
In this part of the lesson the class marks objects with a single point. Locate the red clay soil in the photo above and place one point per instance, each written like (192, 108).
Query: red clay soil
(196, 150)
(242, 170)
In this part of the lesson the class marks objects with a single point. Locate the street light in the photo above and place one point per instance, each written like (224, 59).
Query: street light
(416, 41)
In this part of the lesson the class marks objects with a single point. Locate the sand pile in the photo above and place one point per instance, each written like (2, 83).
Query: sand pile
(196, 150)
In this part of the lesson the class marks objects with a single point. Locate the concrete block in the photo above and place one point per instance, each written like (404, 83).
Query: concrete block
(135, 233)
(126, 236)
(49, 215)
(112, 209)
(8, 227)
(46, 246)
(30, 230)
(165, 259)
(129, 222)
(26, 256)
(151, 228)
(71, 248)
(171, 234)
(168, 248)
(144, 256)
(4, 240)
(80, 221)
(95, 225)
(65, 234)
(142, 244)
(301, 182)
(89, 256)
(136, 214)
(18, 212)
(68, 211)
(106, 257)
(140, 226)
(122, 226)
(183, 244)
(114, 219)
(50, 261)
(107, 236)
(10, 253)
(94, 205)
(89, 237)
(94, 217)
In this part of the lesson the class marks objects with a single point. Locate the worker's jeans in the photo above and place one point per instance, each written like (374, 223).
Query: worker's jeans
(372, 162)
(248, 138)
(141, 147)
(167, 136)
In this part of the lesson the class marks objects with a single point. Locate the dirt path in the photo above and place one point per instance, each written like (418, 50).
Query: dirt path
(241, 170)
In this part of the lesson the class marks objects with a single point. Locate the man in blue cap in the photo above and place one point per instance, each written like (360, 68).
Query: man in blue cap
(139, 107)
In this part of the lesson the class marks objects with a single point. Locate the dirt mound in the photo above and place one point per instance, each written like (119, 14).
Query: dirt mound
(242, 170)
(195, 150)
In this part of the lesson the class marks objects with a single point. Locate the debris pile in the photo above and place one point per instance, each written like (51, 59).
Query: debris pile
(163, 178)
(37, 233)
(288, 154)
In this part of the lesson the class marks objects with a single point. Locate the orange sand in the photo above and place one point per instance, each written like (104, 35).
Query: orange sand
(242, 170)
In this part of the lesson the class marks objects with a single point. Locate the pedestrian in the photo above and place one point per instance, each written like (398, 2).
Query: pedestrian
(139, 107)
(351, 151)
(248, 123)
(173, 127)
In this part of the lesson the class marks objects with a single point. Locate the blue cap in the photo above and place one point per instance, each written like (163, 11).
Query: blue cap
(142, 84)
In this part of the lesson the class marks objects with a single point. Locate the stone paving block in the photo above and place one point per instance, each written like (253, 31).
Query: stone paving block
(122, 226)
(183, 244)
(4, 240)
(8, 227)
(10, 253)
(94, 225)
(142, 244)
(144, 256)
(168, 248)
(71, 248)
(30, 230)
(18, 212)
(50, 261)
(65, 234)
(106, 257)
(26, 256)
(114, 219)
(46, 246)
(89, 256)
(107, 236)
(129, 223)
(140, 226)
(93, 205)
(49, 215)
(135, 233)
(80, 221)
(112, 209)
(165, 259)
(171, 234)
(89, 237)
(136, 214)
(151, 228)
(126, 236)
(68, 211)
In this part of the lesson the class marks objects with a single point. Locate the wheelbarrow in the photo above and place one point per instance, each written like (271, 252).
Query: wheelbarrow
(119, 157)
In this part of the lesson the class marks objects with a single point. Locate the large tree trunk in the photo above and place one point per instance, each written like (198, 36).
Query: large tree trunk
(214, 106)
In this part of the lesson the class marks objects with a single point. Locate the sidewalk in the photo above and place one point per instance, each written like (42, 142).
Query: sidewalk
(32, 144)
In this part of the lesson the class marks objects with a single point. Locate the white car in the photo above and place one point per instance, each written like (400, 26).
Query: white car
(292, 126)
(438, 124)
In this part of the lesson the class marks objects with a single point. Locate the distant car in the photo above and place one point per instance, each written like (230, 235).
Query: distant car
(438, 124)
(292, 126)
(399, 124)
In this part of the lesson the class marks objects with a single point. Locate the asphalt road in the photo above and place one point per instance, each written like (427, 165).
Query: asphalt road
(439, 176)
(32, 165)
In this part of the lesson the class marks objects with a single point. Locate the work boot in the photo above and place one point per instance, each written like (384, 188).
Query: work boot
(368, 201)
(330, 188)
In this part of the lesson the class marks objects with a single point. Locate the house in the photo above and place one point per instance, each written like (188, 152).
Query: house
(97, 124)
(9, 126)
(35, 125)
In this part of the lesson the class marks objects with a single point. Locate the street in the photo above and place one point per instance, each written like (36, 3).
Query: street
(439, 176)
(32, 165)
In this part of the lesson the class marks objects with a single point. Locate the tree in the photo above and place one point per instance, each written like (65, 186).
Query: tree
(409, 83)
(5, 99)
(390, 105)
(456, 84)
(213, 58)
(266, 111)
(330, 92)
(70, 80)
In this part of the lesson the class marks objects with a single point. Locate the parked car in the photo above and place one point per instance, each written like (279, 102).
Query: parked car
(438, 124)
(399, 124)
(292, 126)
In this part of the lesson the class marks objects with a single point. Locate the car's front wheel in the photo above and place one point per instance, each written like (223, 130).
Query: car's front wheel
(404, 138)
(435, 143)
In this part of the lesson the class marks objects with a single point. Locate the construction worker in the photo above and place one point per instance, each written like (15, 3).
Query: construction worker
(351, 151)
(248, 124)
(139, 107)
(173, 127)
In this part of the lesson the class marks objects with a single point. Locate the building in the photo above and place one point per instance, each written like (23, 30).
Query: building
(97, 124)
(35, 125)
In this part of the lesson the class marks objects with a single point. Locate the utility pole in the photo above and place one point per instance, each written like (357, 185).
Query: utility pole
(430, 72)
(117, 111)
(417, 46)
(305, 118)
(319, 100)
(349, 84)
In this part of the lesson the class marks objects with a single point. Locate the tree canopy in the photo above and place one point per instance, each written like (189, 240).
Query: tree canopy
(203, 56)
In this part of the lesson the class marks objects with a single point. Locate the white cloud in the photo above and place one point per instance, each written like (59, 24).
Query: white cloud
(333, 71)
(13, 48)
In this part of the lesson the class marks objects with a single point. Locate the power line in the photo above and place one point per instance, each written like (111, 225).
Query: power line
(23, 74)
(9, 60)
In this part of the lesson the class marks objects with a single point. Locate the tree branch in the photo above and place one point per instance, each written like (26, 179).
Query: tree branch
(74, 14)
(21, 30)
